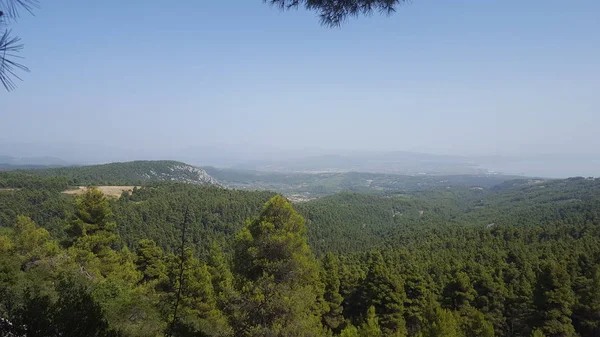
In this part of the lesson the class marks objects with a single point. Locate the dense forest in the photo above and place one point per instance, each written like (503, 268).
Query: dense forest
(521, 258)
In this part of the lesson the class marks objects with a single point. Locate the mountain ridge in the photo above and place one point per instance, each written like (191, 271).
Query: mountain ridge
(131, 173)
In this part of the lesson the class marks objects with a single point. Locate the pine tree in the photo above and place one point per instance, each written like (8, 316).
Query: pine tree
(459, 293)
(352, 276)
(349, 331)
(149, 261)
(554, 300)
(440, 322)
(74, 313)
(197, 310)
(537, 333)
(586, 315)
(415, 303)
(474, 323)
(333, 316)
(93, 237)
(518, 308)
(279, 275)
(6, 244)
(491, 297)
(31, 242)
(92, 229)
(221, 276)
(370, 328)
(385, 291)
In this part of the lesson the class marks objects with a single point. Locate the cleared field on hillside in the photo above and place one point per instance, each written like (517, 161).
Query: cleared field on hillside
(111, 191)
(8, 189)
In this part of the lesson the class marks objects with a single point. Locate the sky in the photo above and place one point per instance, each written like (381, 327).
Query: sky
(463, 77)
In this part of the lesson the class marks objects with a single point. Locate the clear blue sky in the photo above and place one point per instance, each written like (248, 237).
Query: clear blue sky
(460, 77)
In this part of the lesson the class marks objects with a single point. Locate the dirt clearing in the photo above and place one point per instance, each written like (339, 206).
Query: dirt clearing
(8, 189)
(111, 191)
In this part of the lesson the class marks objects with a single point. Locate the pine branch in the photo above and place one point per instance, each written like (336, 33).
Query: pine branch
(9, 46)
(334, 12)
(10, 8)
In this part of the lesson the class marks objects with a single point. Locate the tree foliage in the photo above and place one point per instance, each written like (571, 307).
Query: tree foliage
(10, 45)
(334, 12)
(279, 280)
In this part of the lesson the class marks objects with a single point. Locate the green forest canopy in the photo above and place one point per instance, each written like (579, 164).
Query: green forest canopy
(519, 259)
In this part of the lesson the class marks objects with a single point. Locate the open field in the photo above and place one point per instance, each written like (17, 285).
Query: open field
(8, 189)
(111, 191)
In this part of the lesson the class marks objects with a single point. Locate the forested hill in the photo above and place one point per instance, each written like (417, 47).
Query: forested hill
(349, 222)
(308, 186)
(130, 173)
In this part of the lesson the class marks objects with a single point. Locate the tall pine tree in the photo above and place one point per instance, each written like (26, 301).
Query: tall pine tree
(554, 300)
(279, 283)
(333, 318)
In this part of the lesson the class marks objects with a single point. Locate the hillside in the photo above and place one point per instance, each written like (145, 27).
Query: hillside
(343, 222)
(349, 222)
(130, 173)
(308, 186)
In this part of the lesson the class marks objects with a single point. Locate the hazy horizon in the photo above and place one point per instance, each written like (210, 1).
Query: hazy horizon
(545, 165)
(464, 78)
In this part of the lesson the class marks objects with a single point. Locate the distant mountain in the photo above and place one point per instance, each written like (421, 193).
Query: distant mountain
(131, 173)
(30, 162)
(397, 162)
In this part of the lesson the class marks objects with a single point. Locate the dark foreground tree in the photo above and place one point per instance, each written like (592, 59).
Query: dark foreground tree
(73, 313)
(334, 12)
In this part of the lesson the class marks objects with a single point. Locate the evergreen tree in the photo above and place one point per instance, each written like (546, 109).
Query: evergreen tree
(91, 228)
(333, 318)
(490, 298)
(415, 303)
(279, 275)
(197, 311)
(78, 314)
(459, 293)
(384, 290)
(349, 331)
(93, 236)
(75, 313)
(518, 307)
(537, 333)
(440, 322)
(221, 276)
(554, 300)
(150, 260)
(586, 315)
(31, 242)
(474, 323)
(6, 244)
(36, 316)
(370, 328)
